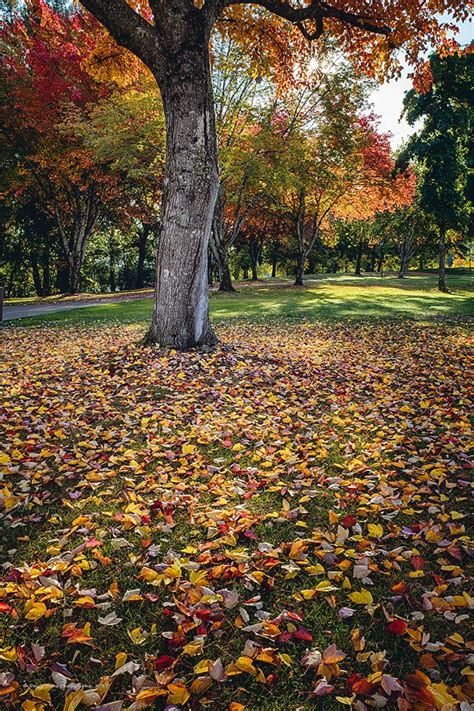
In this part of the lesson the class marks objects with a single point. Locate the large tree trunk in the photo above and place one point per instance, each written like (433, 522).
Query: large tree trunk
(442, 262)
(180, 316)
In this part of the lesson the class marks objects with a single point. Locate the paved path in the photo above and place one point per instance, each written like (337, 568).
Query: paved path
(14, 311)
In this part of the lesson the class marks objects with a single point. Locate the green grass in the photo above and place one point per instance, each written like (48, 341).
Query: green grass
(330, 297)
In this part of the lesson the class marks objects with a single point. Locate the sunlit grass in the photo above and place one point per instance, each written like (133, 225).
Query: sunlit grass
(340, 297)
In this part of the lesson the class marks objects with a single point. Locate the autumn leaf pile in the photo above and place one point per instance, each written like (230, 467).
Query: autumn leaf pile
(281, 523)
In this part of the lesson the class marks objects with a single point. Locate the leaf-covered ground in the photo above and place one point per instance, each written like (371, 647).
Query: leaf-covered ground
(280, 524)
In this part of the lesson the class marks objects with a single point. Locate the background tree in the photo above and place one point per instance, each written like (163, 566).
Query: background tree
(444, 102)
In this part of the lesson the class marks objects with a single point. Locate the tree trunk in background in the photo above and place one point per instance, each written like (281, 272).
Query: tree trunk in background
(358, 264)
(46, 273)
(274, 268)
(142, 245)
(62, 275)
(221, 256)
(380, 264)
(255, 247)
(181, 315)
(312, 264)
(36, 274)
(373, 257)
(299, 274)
(225, 279)
(403, 261)
(442, 262)
(75, 232)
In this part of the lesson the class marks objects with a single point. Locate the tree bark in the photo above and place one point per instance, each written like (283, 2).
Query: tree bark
(180, 316)
(36, 274)
(46, 273)
(403, 261)
(255, 248)
(358, 264)
(442, 262)
(373, 257)
(142, 244)
(274, 267)
(299, 274)
(221, 256)
(380, 264)
(76, 234)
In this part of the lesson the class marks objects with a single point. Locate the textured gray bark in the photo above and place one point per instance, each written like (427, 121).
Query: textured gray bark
(442, 262)
(180, 316)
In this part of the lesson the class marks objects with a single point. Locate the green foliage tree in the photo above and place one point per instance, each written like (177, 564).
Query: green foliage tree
(441, 146)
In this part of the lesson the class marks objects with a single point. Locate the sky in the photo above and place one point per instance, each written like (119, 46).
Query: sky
(388, 99)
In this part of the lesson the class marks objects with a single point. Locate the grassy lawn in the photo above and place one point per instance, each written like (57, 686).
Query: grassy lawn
(279, 524)
(331, 297)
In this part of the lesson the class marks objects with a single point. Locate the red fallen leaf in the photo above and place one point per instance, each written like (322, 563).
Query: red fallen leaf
(418, 562)
(364, 687)
(151, 597)
(203, 614)
(396, 627)
(93, 543)
(349, 521)
(7, 609)
(164, 662)
(303, 633)
(400, 588)
(353, 679)
(271, 679)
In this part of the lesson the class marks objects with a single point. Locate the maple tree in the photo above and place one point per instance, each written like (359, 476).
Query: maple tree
(43, 76)
(172, 40)
(80, 147)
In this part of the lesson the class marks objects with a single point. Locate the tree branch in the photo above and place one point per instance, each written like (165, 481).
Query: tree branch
(128, 28)
(316, 10)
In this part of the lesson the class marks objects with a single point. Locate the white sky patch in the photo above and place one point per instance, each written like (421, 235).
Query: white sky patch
(387, 100)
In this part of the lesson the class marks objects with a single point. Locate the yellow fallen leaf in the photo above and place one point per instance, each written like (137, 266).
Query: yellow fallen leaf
(137, 635)
(245, 664)
(188, 448)
(35, 610)
(364, 597)
(375, 530)
(43, 692)
(177, 694)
